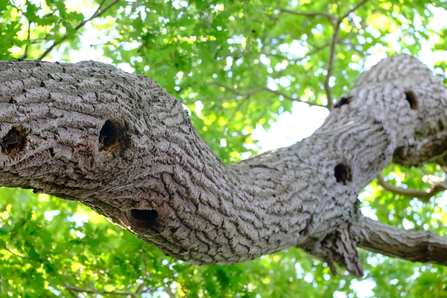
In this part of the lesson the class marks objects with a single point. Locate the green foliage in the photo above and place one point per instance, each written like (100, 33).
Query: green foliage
(235, 65)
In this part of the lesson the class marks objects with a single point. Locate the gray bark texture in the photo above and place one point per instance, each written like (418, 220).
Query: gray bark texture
(118, 143)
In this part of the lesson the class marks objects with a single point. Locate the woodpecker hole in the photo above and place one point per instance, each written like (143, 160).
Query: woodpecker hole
(342, 174)
(344, 100)
(146, 218)
(112, 136)
(411, 98)
(14, 141)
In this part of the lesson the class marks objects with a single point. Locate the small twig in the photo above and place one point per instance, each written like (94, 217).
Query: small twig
(314, 51)
(327, 15)
(25, 55)
(17, 229)
(72, 293)
(97, 13)
(81, 290)
(424, 196)
(23, 257)
(238, 107)
(256, 90)
(353, 46)
(331, 61)
(353, 8)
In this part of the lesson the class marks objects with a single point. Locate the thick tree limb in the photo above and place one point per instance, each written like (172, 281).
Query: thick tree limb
(424, 196)
(415, 246)
(121, 145)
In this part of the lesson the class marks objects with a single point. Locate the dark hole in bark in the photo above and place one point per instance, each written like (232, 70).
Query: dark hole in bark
(145, 217)
(112, 135)
(344, 100)
(14, 141)
(342, 174)
(411, 98)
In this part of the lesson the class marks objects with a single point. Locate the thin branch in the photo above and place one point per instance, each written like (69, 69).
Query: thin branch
(234, 91)
(332, 52)
(72, 293)
(97, 13)
(314, 51)
(291, 98)
(25, 55)
(327, 15)
(353, 46)
(424, 196)
(238, 107)
(257, 90)
(331, 62)
(414, 246)
(19, 256)
(81, 290)
(352, 9)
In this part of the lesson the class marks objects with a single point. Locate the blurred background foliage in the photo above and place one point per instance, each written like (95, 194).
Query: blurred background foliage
(236, 65)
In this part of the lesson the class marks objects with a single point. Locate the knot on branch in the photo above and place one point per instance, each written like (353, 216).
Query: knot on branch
(14, 141)
(112, 136)
(342, 174)
(144, 218)
(411, 98)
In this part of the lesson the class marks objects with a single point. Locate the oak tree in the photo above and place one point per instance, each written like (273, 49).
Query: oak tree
(120, 144)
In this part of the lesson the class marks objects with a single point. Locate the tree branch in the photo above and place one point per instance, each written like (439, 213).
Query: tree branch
(82, 290)
(331, 61)
(327, 15)
(257, 90)
(121, 145)
(19, 256)
(353, 8)
(25, 55)
(414, 246)
(72, 293)
(424, 196)
(314, 51)
(96, 14)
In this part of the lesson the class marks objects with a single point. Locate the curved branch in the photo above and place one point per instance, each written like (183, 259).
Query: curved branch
(414, 246)
(424, 196)
(121, 145)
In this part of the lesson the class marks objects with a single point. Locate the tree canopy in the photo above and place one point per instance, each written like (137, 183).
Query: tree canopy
(234, 65)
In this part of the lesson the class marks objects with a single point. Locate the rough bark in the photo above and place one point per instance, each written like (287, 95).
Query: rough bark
(118, 143)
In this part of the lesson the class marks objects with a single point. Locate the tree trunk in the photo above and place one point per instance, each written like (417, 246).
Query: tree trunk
(118, 143)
